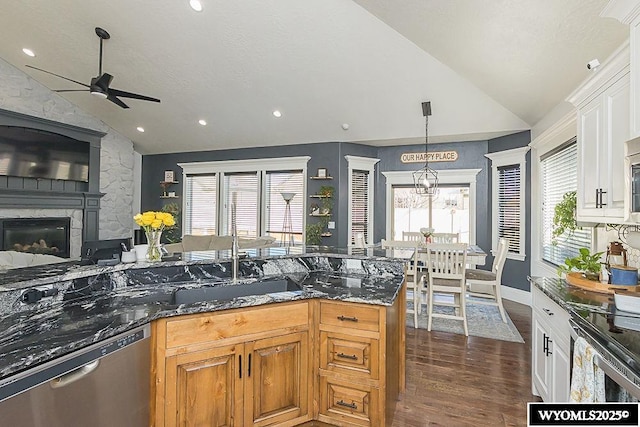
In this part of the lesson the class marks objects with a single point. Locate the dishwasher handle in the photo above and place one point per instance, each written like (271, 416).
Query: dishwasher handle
(75, 375)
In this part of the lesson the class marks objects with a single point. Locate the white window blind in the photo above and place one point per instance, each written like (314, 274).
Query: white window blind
(359, 204)
(509, 200)
(276, 184)
(559, 176)
(201, 195)
(242, 190)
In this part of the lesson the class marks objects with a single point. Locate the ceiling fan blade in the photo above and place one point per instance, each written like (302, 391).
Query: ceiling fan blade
(57, 75)
(124, 94)
(71, 90)
(116, 101)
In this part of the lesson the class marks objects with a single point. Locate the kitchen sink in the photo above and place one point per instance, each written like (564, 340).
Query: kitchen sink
(227, 292)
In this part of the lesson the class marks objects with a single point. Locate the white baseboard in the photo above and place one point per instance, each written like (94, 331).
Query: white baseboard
(516, 295)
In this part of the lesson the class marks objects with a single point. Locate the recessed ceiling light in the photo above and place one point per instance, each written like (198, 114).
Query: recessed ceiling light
(28, 52)
(202, 122)
(195, 5)
(140, 129)
(277, 113)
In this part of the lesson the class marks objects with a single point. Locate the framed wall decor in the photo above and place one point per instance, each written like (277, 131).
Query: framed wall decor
(322, 173)
(169, 176)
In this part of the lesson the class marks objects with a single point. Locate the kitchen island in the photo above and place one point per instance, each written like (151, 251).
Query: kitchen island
(90, 304)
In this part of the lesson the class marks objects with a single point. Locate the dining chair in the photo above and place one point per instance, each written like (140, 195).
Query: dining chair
(485, 285)
(413, 236)
(446, 264)
(445, 238)
(412, 274)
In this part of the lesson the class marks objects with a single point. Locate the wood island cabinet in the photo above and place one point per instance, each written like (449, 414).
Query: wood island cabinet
(280, 364)
(242, 367)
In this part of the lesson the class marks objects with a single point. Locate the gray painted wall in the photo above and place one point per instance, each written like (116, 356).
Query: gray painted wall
(330, 155)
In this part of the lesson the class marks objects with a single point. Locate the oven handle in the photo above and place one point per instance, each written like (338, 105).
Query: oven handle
(606, 366)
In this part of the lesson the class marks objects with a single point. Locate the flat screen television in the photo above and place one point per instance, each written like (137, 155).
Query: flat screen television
(33, 153)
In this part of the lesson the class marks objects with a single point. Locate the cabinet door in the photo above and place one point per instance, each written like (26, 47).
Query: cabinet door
(561, 385)
(204, 388)
(278, 379)
(590, 157)
(541, 367)
(616, 125)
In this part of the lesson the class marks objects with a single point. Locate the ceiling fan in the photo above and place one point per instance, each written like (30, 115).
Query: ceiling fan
(100, 85)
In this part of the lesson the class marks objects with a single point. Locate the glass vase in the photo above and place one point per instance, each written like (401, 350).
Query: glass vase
(154, 252)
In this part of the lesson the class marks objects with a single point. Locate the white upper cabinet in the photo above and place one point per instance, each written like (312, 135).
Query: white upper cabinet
(603, 108)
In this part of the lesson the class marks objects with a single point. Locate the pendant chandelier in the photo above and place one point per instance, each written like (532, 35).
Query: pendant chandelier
(425, 180)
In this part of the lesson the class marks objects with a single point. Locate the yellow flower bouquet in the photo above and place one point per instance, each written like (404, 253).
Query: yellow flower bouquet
(153, 223)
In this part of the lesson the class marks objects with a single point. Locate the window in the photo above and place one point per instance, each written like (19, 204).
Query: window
(254, 186)
(509, 204)
(276, 208)
(361, 198)
(508, 200)
(559, 175)
(200, 213)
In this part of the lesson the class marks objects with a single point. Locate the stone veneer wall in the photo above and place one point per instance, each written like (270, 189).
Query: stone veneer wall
(22, 94)
(75, 242)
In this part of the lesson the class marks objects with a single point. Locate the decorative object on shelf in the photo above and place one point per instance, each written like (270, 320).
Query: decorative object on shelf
(169, 176)
(425, 180)
(586, 263)
(564, 217)
(286, 239)
(314, 209)
(153, 224)
(322, 173)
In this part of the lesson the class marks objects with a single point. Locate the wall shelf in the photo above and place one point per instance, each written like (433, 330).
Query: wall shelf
(169, 197)
(319, 196)
(327, 234)
(169, 182)
(321, 177)
(327, 214)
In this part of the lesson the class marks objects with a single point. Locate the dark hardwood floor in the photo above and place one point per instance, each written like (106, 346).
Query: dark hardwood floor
(457, 381)
(453, 380)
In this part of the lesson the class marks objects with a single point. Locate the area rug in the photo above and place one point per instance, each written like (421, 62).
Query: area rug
(482, 321)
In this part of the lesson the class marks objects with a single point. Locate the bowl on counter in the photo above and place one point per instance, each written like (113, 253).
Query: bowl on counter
(628, 301)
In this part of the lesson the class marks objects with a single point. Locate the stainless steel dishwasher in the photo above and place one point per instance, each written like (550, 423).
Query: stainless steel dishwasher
(103, 385)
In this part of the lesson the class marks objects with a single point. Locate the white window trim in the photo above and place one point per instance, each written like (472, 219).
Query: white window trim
(362, 164)
(561, 132)
(446, 176)
(515, 156)
(261, 166)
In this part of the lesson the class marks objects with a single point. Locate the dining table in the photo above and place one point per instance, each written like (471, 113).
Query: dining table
(475, 254)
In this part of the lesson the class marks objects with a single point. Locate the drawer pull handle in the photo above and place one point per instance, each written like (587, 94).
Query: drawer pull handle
(347, 356)
(350, 319)
(347, 405)
(549, 312)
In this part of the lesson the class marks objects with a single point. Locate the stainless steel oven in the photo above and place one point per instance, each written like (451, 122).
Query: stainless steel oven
(622, 379)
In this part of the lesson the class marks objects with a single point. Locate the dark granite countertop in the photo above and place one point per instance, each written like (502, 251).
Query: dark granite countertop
(619, 331)
(92, 303)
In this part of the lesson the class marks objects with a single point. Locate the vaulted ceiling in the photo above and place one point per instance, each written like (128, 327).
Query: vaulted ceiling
(489, 67)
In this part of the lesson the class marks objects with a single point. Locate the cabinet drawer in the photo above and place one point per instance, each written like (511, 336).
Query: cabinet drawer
(349, 354)
(219, 326)
(550, 313)
(350, 316)
(348, 403)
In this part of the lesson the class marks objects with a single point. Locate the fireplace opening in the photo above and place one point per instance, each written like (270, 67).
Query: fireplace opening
(49, 236)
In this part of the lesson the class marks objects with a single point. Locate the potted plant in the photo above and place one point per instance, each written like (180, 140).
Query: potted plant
(564, 217)
(327, 202)
(587, 263)
(314, 233)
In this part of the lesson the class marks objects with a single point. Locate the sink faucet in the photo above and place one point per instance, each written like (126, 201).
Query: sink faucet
(234, 244)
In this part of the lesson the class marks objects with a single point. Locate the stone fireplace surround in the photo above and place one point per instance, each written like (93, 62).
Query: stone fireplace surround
(44, 198)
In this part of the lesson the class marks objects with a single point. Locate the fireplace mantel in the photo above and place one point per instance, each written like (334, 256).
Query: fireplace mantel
(39, 193)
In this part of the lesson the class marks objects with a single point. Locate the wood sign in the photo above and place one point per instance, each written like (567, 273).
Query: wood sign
(432, 156)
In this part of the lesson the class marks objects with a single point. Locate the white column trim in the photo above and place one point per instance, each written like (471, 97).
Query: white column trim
(445, 176)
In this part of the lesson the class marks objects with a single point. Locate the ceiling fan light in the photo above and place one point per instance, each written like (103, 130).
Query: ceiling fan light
(28, 52)
(98, 93)
(196, 5)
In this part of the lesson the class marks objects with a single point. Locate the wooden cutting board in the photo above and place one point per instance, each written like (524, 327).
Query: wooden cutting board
(576, 279)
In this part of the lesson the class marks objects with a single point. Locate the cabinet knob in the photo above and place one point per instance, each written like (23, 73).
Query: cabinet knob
(549, 312)
(347, 356)
(349, 319)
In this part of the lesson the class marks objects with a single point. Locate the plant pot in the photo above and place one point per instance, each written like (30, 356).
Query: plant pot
(591, 276)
